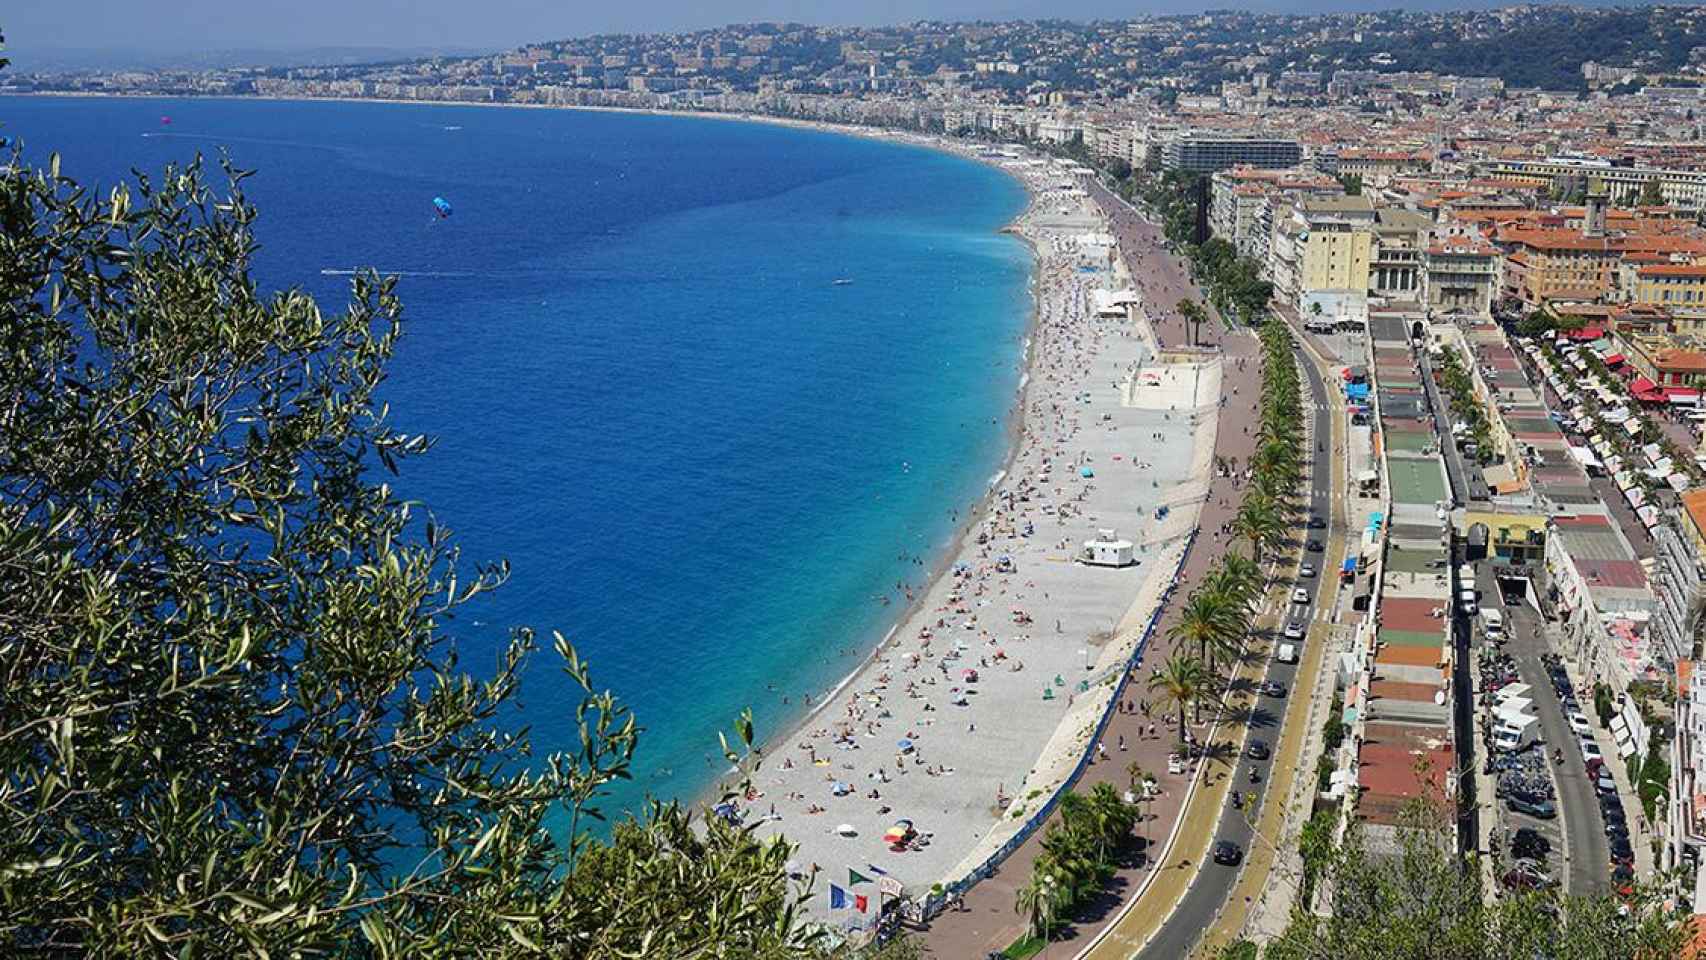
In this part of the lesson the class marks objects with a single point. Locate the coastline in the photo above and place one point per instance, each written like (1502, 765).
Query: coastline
(1031, 394)
(938, 567)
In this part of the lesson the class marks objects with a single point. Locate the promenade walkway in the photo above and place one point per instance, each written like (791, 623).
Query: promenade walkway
(986, 920)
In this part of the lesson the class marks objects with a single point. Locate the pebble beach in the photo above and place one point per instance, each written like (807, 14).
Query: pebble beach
(980, 701)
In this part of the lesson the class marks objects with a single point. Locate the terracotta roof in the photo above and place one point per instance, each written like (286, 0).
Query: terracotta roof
(1694, 501)
(1682, 361)
(1672, 270)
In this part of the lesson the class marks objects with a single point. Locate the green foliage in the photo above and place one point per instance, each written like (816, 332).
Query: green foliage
(1352, 183)
(1420, 900)
(1078, 856)
(1465, 404)
(1315, 845)
(1652, 194)
(234, 723)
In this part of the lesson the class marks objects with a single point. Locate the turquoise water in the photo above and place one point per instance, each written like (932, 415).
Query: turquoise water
(705, 461)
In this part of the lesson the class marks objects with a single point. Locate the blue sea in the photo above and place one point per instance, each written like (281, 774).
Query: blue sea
(706, 462)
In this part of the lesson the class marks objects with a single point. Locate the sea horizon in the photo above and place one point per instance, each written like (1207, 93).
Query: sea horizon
(707, 462)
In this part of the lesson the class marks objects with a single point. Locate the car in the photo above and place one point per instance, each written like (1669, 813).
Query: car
(1256, 750)
(1273, 688)
(1300, 596)
(1590, 750)
(1538, 809)
(1580, 724)
(1604, 783)
(1306, 571)
(1316, 523)
(1227, 853)
(1294, 631)
(1315, 546)
(1529, 844)
(1526, 875)
(1175, 763)
(1621, 851)
(1614, 831)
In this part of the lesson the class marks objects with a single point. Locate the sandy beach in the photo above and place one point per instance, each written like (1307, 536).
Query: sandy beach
(981, 700)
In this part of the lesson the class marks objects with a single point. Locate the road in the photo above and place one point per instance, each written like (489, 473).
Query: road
(1212, 883)
(1585, 851)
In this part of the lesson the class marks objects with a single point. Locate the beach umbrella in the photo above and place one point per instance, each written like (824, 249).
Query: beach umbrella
(904, 744)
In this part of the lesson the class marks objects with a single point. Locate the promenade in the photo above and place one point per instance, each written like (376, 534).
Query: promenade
(986, 920)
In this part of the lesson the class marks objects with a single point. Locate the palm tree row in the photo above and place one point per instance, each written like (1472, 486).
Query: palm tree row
(1215, 619)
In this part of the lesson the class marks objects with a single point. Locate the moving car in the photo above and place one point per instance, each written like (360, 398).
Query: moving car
(1294, 631)
(1273, 688)
(1227, 853)
(1175, 763)
(1306, 571)
(1315, 546)
(1316, 523)
(1300, 596)
(1256, 750)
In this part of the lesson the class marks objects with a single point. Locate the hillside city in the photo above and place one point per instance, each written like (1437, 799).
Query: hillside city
(1486, 226)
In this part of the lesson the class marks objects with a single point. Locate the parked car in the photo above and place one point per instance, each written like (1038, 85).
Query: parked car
(1300, 596)
(1294, 631)
(1175, 763)
(1315, 546)
(1526, 876)
(1316, 523)
(1256, 750)
(1228, 853)
(1538, 809)
(1590, 750)
(1579, 723)
(1529, 844)
(1621, 851)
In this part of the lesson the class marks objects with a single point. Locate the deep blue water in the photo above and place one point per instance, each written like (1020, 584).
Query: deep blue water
(702, 458)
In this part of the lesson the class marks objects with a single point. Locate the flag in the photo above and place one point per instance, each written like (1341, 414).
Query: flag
(837, 898)
(854, 877)
(890, 887)
(860, 902)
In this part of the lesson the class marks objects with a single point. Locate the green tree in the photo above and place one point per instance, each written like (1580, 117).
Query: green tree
(1652, 193)
(1181, 681)
(1211, 621)
(234, 722)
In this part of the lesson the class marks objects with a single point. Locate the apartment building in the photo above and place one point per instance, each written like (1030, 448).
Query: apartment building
(1205, 151)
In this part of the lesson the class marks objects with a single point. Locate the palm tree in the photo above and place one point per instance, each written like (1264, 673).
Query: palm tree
(1238, 567)
(1206, 619)
(1260, 522)
(1179, 683)
(1039, 900)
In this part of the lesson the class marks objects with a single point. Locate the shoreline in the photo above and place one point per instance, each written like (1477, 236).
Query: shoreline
(1044, 754)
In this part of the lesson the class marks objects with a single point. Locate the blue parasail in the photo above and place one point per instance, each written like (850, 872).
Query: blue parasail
(442, 205)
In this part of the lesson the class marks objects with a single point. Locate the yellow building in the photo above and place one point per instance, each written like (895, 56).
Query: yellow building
(1514, 538)
(1678, 287)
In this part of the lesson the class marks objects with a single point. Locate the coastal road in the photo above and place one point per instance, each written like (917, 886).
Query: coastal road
(1212, 884)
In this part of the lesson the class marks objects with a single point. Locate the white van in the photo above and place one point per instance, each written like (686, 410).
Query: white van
(1287, 653)
(1466, 602)
(1493, 624)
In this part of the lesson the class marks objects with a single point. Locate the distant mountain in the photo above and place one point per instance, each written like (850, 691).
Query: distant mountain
(68, 60)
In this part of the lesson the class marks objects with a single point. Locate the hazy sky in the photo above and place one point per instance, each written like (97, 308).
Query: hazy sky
(180, 25)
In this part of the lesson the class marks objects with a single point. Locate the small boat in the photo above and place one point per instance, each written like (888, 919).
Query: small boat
(842, 282)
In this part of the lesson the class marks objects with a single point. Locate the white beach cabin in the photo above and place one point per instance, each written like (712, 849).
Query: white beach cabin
(1107, 550)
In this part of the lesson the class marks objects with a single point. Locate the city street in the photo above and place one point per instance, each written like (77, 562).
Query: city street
(1209, 889)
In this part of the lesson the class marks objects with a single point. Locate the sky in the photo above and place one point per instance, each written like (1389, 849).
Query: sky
(187, 25)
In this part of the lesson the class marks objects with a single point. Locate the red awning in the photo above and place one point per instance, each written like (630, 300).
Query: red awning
(1585, 334)
(1642, 385)
(1614, 360)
